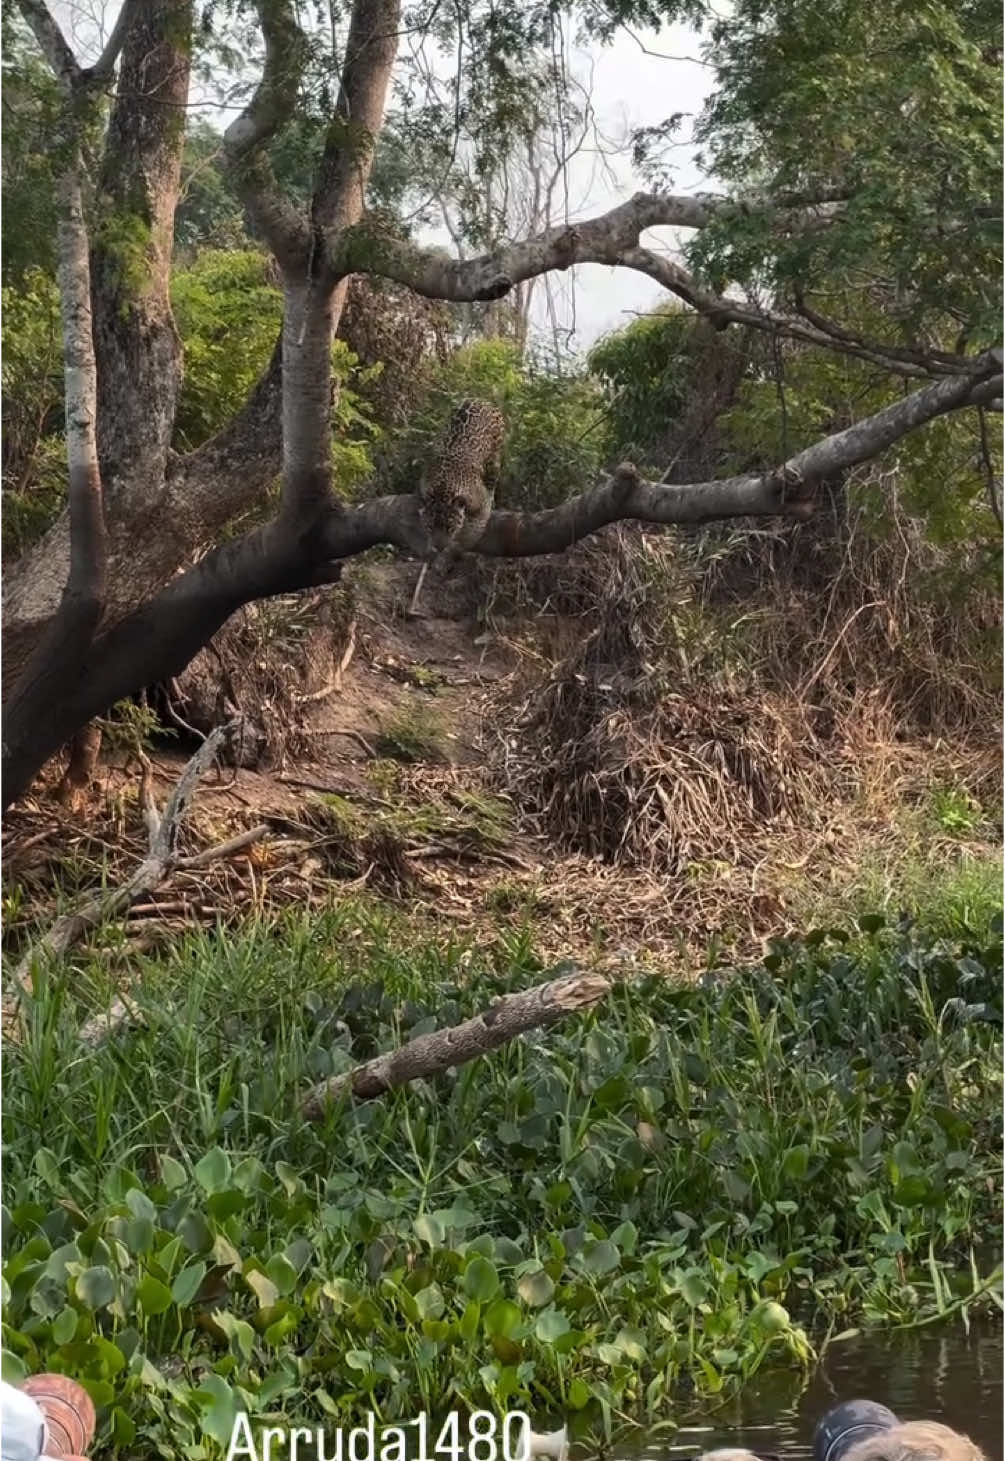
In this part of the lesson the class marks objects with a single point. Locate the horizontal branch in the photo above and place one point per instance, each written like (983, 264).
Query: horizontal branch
(441, 1050)
(815, 330)
(785, 491)
(436, 275)
(613, 239)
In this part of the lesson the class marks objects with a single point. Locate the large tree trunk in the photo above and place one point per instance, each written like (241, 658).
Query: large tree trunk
(136, 344)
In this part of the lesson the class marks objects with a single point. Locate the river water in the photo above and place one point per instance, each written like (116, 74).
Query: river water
(928, 1374)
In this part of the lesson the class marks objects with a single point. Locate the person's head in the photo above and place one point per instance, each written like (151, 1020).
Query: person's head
(915, 1440)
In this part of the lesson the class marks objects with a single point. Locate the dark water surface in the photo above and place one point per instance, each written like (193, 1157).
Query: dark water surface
(932, 1374)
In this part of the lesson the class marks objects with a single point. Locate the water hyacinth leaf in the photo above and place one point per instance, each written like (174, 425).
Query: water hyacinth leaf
(64, 1326)
(139, 1204)
(102, 1392)
(212, 1172)
(236, 1330)
(796, 1163)
(609, 1354)
(262, 1287)
(154, 1296)
(536, 1289)
(770, 1317)
(481, 1279)
(912, 1191)
(507, 1251)
(293, 1184)
(632, 1343)
(277, 1333)
(96, 1287)
(173, 1174)
(12, 1368)
(502, 1318)
(626, 1237)
(429, 1229)
(342, 1292)
(430, 1302)
(282, 1273)
(551, 1325)
(600, 1258)
(123, 1427)
(187, 1283)
(469, 1321)
(693, 1288)
(221, 1407)
(578, 1394)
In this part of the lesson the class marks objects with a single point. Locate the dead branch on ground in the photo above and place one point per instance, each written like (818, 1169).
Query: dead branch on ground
(160, 862)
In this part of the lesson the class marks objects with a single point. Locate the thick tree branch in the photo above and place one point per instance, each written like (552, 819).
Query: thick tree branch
(82, 602)
(371, 48)
(102, 69)
(313, 303)
(434, 274)
(613, 239)
(53, 43)
(273, 103)
(787, 491)
(513, 1015)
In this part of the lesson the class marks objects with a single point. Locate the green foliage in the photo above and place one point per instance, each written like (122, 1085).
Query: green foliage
(208, 214)
(229, 312)
(228, 309)
(34, 457)
(898, 109)
(644, 370)
(687, 1185)
(32, 103)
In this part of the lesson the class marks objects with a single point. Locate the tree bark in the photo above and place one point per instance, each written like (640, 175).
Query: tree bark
(134, 335)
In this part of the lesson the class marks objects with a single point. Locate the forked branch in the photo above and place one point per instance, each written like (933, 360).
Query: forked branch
(273, 102)
(613, 239)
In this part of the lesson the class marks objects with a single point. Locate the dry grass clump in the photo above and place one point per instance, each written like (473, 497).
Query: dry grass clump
(626, 752)
(693, 696)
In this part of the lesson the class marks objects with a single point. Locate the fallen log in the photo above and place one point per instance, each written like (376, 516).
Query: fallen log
(430, 1054)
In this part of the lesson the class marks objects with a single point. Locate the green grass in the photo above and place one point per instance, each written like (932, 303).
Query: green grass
(683, 1187)
(945, 889)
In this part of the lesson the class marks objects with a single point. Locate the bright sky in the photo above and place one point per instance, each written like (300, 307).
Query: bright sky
(632, 85)
(630, 89)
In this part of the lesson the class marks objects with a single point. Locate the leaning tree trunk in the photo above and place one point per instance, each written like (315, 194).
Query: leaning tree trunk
(136, 344)
(160, 507)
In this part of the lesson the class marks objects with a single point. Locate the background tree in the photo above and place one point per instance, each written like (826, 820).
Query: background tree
(850, 244)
